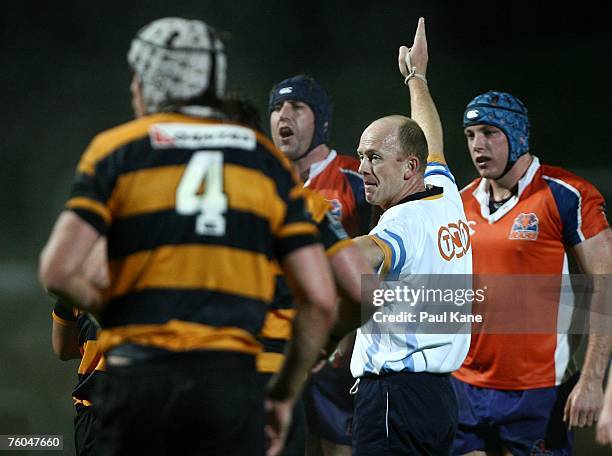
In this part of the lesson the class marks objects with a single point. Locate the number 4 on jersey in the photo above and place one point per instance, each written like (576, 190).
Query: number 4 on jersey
(201, 190)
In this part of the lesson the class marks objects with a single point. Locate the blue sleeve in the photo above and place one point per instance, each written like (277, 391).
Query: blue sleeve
(439, 169)
(569, 202)
(398, 251)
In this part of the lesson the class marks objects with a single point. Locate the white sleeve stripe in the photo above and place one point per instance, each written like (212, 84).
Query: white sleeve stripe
(575, 191)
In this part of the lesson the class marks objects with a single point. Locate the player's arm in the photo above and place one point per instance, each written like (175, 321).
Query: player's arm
(308, 273)
(594, 257)
(413, 66)
(349, 265)
(60, 267)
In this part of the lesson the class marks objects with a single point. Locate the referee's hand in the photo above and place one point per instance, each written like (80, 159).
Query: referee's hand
(278, 421)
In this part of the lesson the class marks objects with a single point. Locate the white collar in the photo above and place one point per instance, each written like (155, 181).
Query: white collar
(318, 167)
(482, 192)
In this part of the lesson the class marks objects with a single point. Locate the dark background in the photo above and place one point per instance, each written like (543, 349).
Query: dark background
(64, 78)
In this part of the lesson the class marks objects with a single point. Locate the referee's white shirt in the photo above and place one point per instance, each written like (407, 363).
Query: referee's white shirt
(415, 238)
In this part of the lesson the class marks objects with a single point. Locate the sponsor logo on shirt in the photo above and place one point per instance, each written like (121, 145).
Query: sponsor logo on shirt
(192, 136)
(454, 240)
(525, 227)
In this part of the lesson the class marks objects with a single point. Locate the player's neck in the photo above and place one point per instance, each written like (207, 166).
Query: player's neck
(504, 187)
(411, 186)
(303, 165)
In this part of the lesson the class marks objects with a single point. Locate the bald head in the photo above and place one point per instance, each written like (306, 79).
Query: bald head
(400, 134)
(382, 134)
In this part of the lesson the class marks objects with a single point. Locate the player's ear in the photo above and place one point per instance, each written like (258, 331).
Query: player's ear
(412, 165)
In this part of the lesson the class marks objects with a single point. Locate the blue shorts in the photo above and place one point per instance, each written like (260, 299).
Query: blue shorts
(328, 404)
(527, 422)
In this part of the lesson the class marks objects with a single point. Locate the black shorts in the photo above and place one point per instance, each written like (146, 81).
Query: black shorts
(84, 430)
(184, 403)
(404, 413)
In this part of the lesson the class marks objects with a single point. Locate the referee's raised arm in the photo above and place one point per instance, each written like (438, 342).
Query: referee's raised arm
(412, 64)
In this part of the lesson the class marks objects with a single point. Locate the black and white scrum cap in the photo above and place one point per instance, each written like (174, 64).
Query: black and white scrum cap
(177, 59)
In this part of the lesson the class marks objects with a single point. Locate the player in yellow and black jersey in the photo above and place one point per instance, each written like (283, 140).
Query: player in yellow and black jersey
(197, 212)
(277, 327)
(348, 265)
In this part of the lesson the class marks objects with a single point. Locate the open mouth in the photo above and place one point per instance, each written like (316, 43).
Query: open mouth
(482, 162)
(285, 132)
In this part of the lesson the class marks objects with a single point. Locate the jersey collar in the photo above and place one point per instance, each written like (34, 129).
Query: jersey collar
(428, 193)
(318, 167)
(482, 191)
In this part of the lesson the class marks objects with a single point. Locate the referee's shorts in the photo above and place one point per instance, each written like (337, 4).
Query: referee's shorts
(202, 402)
(404, 413)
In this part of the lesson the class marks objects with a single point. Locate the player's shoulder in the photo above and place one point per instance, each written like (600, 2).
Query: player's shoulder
(105, 143)
(565, 178)
(466, 192)
(126, 132)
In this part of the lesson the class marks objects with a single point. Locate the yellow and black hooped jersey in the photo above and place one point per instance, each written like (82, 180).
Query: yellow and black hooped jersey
(277, 326)
(197, 212)
(92, 362)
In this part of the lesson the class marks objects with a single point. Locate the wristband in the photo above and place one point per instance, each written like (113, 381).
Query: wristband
(415, 75)
(412, 70)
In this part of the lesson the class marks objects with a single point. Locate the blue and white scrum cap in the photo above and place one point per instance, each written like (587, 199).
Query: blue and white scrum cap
(506, 112)
(307, 90)
(177, 59)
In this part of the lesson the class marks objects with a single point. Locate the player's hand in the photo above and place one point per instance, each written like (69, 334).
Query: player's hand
(604, 428)
(583, 404)
(278, 421)
(415, 56)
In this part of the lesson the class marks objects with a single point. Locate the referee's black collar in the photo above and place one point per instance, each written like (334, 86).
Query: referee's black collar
(429, 191)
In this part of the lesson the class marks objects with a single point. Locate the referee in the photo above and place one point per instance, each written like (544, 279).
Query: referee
(404, 400)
